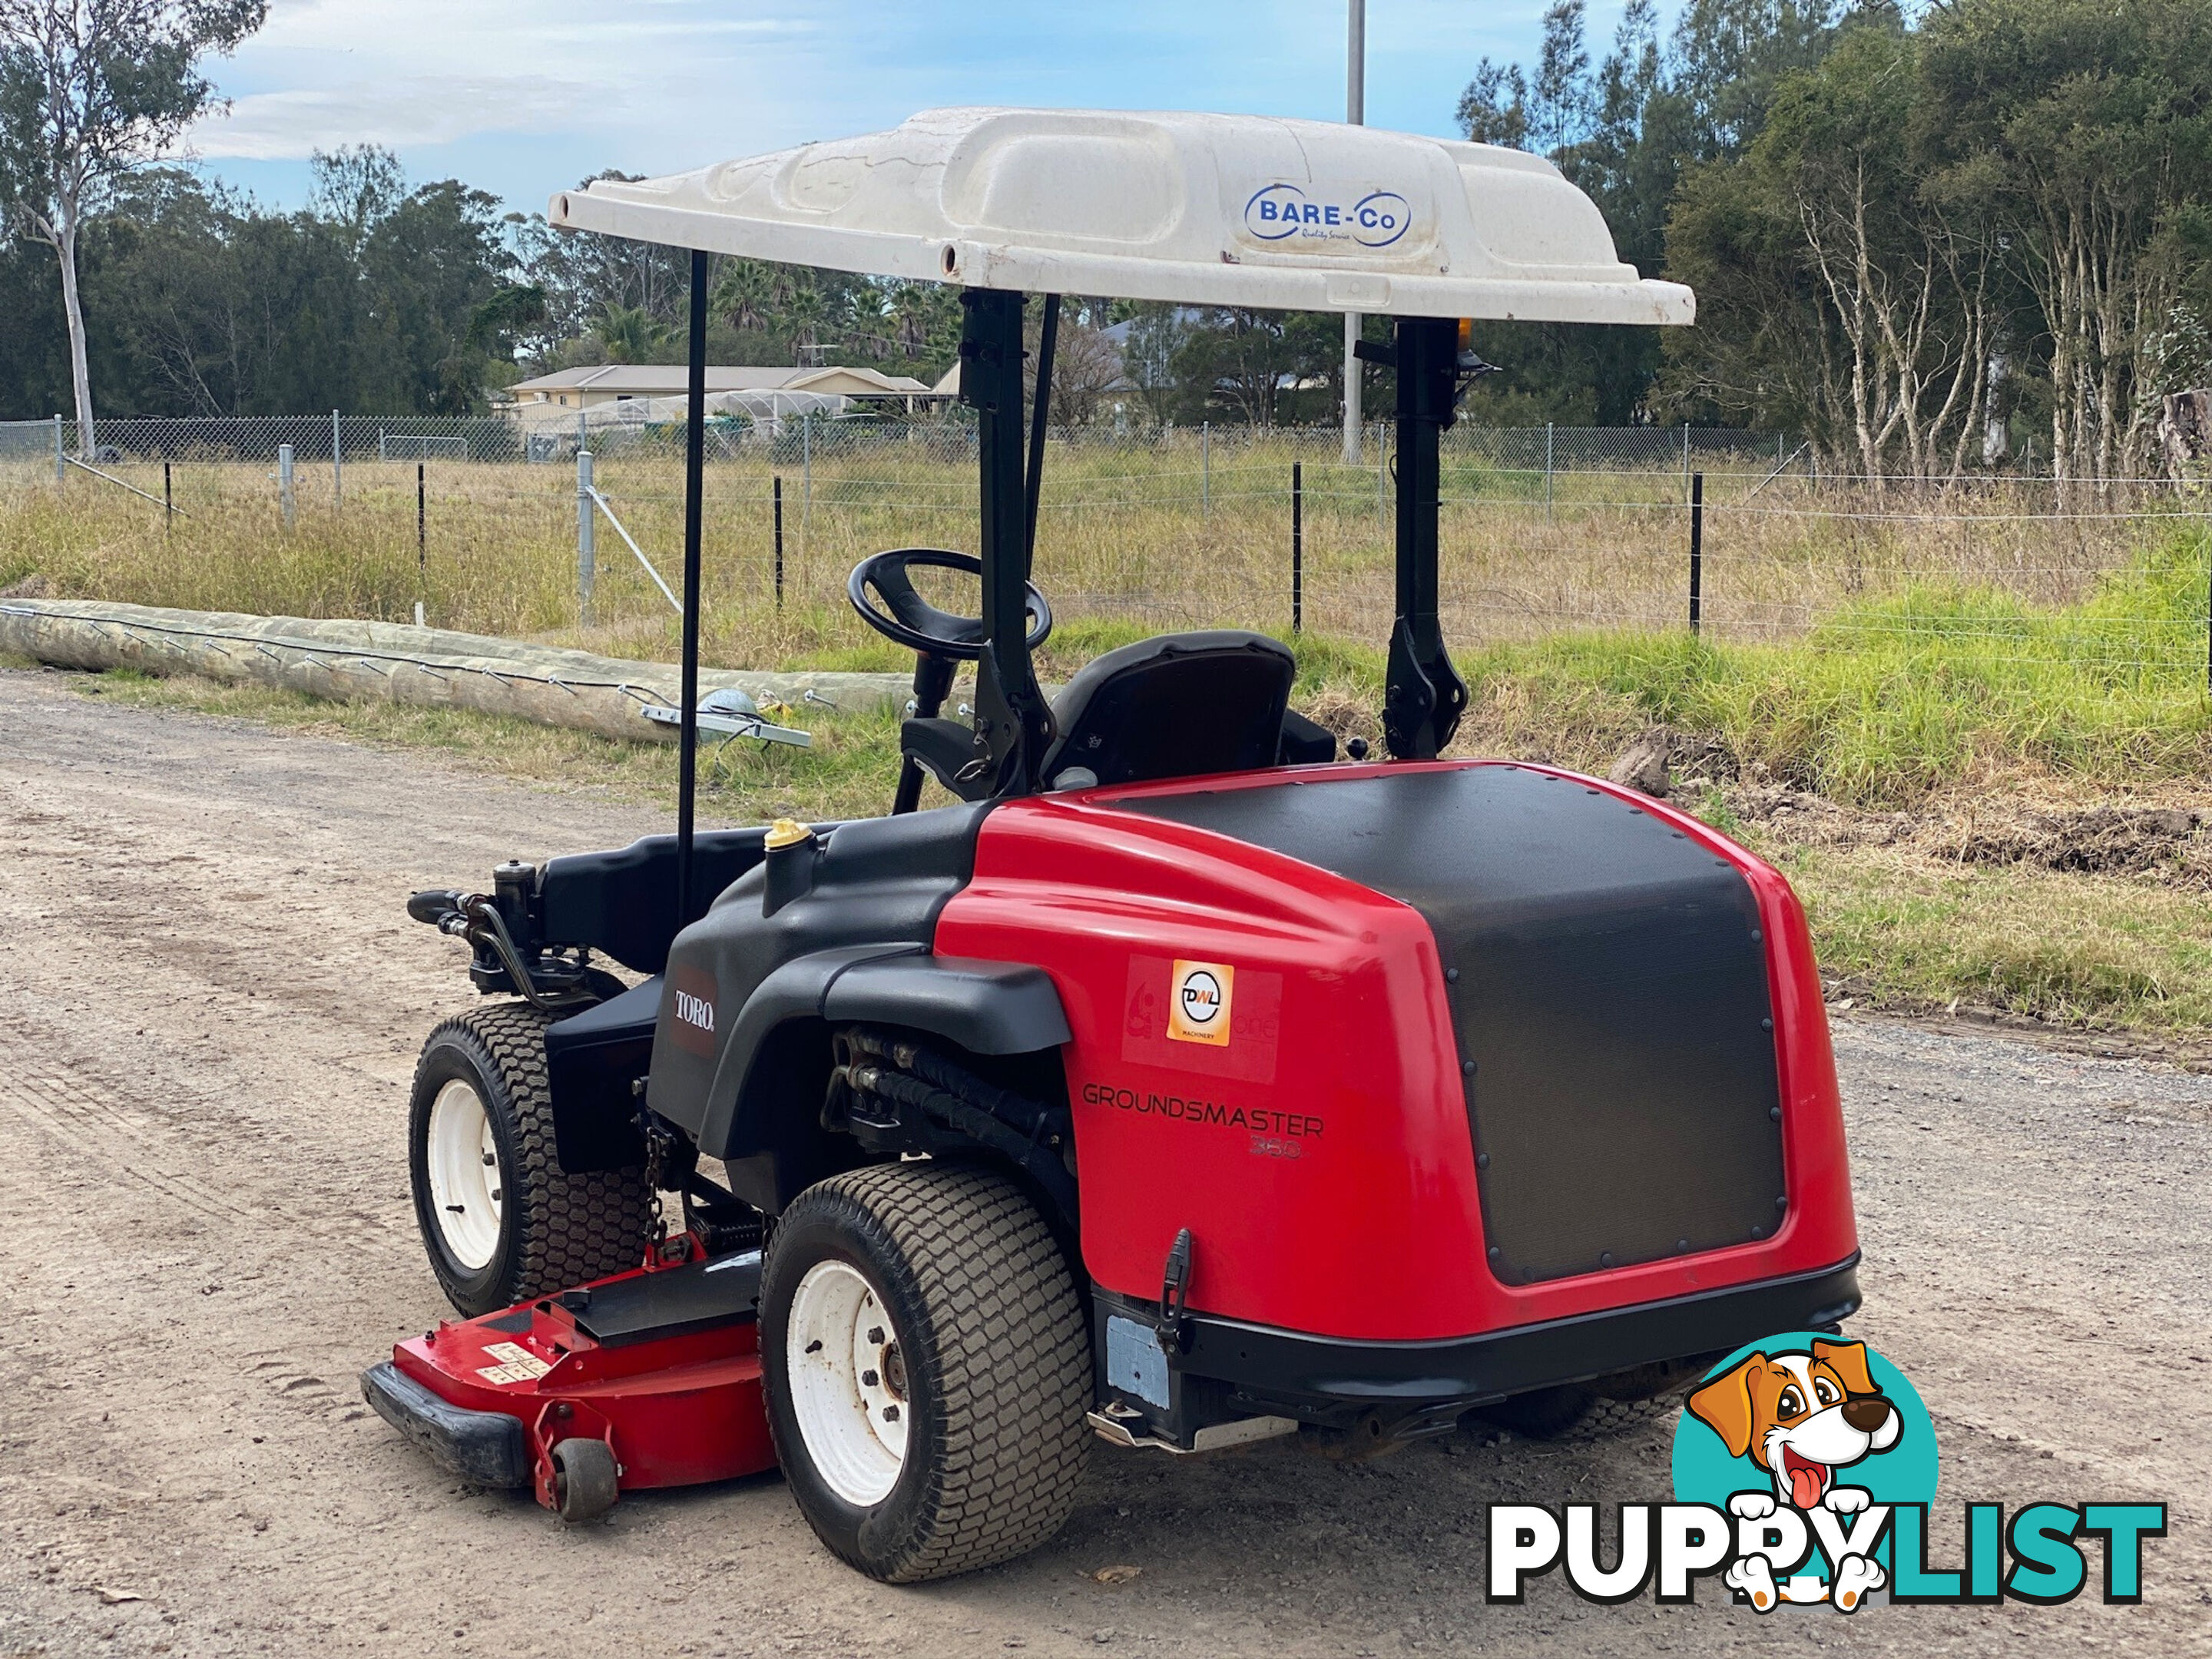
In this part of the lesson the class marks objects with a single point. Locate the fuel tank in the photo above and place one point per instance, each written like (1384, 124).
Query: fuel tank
(1421, 1050)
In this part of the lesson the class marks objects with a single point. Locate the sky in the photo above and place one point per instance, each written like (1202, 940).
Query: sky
(526, 97)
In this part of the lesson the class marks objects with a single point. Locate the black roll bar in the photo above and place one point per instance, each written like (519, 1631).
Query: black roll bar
(695, 467)
(1013, 724)
(1424, 696)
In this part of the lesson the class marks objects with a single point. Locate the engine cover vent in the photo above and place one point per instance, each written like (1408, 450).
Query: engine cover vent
(1610, 989)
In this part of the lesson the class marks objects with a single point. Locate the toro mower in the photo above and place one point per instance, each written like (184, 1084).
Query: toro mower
(1177, 1083)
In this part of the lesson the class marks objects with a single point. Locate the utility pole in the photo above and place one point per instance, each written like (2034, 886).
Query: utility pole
(1355, 114)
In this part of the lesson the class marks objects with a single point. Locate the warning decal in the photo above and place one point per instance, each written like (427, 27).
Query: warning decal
(517, 1365)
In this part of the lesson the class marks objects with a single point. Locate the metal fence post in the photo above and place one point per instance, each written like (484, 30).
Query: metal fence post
(779, 541)
(337, 464)
(1297, 547)
(1548, 429)
(806, 468)
(168, 498)
(422, 536)
(1205, 466)
(61, 466)
(1381, 483)
(284, 481)
(1697, 547)
(586, 529)
(1685, 452)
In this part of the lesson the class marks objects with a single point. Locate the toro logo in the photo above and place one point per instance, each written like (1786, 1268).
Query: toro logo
(1198, 1002)
(691, 1000)
(1278, 213)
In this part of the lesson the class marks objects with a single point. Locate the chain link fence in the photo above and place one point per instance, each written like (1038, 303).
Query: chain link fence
(488, 523)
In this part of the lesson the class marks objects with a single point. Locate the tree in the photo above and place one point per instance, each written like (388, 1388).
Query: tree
(631, 334)
(1151, 346)
(90, 90)
(1246, 360)
(1494, 108)
(1624, 133)
(2085, 126)
(1850, 278)
(1560, 101)
(357, 187)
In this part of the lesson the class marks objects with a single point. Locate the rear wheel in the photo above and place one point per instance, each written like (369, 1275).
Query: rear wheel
(1541, 1413)
(501, 1220)
(1555, 1414)
(928, 1369)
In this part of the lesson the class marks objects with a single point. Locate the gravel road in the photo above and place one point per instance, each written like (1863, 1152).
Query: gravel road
(209, 1003)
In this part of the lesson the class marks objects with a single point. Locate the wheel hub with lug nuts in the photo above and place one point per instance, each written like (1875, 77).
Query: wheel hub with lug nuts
(463, 1160)
(847, 1382)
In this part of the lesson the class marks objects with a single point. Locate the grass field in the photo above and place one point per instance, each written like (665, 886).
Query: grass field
(1130, 536)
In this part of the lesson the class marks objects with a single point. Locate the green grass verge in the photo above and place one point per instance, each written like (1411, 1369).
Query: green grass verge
(2073, 950)
(1881, 704)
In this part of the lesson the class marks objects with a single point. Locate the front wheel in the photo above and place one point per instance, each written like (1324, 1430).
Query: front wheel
(928, 1369)
(502, 1221)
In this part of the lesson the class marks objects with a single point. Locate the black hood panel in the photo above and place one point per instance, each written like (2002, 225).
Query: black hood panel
(1610, 990)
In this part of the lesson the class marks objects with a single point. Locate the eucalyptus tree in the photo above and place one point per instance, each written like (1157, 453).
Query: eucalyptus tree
(89, 91)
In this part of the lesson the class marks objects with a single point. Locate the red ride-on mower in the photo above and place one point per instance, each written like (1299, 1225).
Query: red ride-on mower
(1178, 1083)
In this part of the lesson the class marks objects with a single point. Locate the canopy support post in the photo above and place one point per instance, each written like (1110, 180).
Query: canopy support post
(695, 469)
(1040, 414)
(1424, 696)
(1013, 723)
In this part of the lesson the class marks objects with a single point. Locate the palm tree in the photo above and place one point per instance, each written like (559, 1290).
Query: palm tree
(910, 318)
(745, 294)
(631, 334)
(803, 313)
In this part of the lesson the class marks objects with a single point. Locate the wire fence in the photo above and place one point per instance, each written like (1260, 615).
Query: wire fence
(488, 523)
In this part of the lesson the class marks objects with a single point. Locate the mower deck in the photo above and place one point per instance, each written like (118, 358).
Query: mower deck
(661, 1364)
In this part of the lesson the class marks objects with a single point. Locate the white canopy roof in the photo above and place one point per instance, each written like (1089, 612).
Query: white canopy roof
(1201, 210)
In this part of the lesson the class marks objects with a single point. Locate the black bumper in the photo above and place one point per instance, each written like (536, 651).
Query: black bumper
(1264, 1361)
(485, 1449)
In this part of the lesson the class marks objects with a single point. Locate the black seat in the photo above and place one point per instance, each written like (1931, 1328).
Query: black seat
(1174, 706)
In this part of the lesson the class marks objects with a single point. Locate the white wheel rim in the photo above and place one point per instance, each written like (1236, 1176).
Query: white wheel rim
(467, 1188)
(847, 1382)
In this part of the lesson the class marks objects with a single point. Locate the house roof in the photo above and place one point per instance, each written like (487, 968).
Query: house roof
(668, 380)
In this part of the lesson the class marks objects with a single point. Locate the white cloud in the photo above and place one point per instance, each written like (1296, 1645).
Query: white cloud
(430, 110)
(407, 72)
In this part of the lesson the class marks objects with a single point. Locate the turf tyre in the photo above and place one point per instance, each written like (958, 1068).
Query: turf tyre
(555, 1230)
(1541, 1413)
(996, 1355)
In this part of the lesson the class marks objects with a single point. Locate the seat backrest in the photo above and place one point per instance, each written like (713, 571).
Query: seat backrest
(1174, 706)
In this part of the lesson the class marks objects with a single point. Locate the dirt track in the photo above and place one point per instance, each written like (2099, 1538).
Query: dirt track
(209, 1001)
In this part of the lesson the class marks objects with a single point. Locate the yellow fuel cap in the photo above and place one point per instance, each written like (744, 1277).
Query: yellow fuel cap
(785, 832)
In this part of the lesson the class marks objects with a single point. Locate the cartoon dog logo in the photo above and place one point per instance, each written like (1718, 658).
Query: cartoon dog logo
(1800, 1417)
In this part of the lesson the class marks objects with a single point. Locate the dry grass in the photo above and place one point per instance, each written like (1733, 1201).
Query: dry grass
(1133, 539)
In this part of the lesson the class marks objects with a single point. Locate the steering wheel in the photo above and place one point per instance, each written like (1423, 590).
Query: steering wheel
(915, 623)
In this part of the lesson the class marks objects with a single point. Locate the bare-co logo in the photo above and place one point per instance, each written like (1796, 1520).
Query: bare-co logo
(1198, 1002)
(691, 1000)
(1280, 213)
